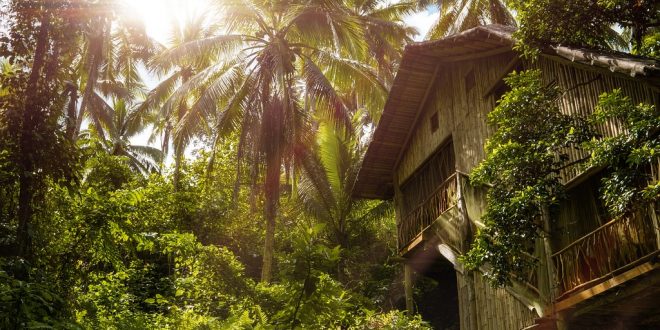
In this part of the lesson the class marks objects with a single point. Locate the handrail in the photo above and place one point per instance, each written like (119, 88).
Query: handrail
(593, 232)
(441, 199)
(432, 194)
(614, 245)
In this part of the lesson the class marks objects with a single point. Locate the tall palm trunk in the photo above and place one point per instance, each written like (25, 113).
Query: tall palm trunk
(96, 50)
(72, 92)
(272, 188)
(179, 146)
(31, 112)
(273, 124)
(178, 158)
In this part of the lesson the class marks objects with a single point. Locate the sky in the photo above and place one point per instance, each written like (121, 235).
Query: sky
(157, 15)
(423, 21)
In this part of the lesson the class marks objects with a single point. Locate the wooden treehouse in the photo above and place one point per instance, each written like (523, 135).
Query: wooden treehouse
(599, 272)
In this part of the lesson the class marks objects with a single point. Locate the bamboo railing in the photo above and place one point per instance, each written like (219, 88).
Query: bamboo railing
(422, 216)
(604, 251)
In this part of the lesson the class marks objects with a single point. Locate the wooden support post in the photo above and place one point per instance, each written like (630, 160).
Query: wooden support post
(466, 231)
(547, 280)
(398, 209)
(408, 278)
(472, 302)
(408, 288)
(463, 215)
(656, 225)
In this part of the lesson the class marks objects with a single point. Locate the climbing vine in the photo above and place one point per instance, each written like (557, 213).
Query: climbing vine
(630, 156)
(522, 159)
(525, 154)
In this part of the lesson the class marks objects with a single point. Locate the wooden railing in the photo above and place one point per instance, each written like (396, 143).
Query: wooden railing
(422, 216)
(603, 252)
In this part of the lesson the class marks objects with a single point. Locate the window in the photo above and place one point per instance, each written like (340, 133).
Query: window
(500, 90)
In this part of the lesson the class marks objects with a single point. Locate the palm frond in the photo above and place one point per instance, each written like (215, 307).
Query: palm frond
(324, 96)
(222, 86)
(214, 46)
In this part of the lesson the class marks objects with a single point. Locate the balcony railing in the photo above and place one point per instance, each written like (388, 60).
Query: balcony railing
(605, 251)
(422, 216)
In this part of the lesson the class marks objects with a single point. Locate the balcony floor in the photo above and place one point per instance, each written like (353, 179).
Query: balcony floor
(629, 304)
(442, 230)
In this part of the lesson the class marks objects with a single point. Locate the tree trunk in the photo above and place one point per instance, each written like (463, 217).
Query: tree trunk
(178, 158)
(71, 112)
(270, 214)
(179, 146)
(408, 279)
(96, 48)
(271, 139)
(31, 111)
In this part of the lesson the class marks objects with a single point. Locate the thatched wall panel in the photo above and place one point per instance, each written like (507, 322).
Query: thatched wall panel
(496, 308)
(462, 114)
(581, 88)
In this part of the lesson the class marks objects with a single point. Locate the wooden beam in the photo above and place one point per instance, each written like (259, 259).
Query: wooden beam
(477, 55)
(418, 114)
(408, 288)
(410, 246)
(606, 285)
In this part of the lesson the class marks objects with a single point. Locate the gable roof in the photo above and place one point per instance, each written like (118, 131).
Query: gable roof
(418, 69)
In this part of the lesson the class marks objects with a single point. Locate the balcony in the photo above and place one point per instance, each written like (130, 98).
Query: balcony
(610, 250)
(413, 225)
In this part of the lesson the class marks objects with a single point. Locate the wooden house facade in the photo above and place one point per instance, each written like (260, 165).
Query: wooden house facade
(432, 133)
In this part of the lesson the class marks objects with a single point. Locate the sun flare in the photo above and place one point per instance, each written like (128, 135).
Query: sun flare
(159, 15)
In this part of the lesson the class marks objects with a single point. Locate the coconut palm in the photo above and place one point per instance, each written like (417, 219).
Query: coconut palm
(173, 75)
(283, 61)
(461, 15)
(122, 121)
(385, 32)
(126, 124)
(330, 169)
(113, 46)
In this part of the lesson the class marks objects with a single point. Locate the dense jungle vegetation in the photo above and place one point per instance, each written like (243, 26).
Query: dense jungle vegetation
(220, 197)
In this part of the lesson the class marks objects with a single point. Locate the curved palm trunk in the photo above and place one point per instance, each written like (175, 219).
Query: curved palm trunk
(87, 94)
(95, 66)
(178, 158)
(26, 180)
(71, 112)
(92, 77)
(179, 146)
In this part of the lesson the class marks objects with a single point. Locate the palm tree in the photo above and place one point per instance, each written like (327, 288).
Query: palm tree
(330, 170)
(113, 47)
(174, 74)
(385, 32)
(122, 121)
(461, 15)
(282, 62)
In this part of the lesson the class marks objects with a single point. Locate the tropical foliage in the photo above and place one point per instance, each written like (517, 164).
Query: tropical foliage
(521, 165)
(96, 231)
(630, 156)
(524, 159)
(457, 16)
(593, 23)
(243, 217)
